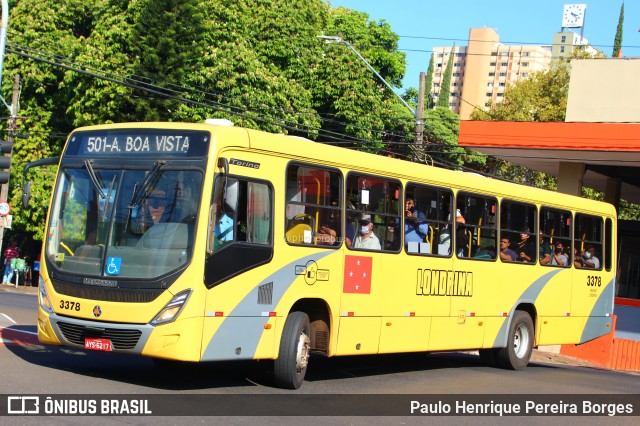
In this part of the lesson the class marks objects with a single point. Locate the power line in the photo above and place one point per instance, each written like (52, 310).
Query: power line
(172, 94)
(507, 42)
(175, 93)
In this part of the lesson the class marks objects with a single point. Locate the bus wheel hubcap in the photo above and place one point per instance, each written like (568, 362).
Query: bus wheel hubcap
(302, 352)
(521, 341)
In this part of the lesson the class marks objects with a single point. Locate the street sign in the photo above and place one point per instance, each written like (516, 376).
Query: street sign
(4, 208)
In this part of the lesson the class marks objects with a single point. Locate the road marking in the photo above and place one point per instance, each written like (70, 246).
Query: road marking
(8, 317)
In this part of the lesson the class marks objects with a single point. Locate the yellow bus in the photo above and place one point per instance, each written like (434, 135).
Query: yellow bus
(209, 242)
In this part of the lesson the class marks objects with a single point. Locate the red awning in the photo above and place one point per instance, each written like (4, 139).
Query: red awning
(560, 136)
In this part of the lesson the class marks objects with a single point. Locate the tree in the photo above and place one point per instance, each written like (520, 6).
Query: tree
(617, 42)
(48, 93)
(442, 128)
(428, 102)
(167, 42)
(256, 62)
(445, 86)
(359, 103)
(541, 97)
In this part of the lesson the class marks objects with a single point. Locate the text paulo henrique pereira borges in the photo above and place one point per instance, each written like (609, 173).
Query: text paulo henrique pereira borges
(462, 407)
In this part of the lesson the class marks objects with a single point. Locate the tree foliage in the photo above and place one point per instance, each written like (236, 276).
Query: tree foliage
(428, 102)
(166, 43)
(617, 42)
(445, 86)
(348, 91)
(255, 62)
(442, 128)
(541, 97)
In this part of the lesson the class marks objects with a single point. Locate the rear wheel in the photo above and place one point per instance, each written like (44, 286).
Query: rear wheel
(519, 344)
(293, 357)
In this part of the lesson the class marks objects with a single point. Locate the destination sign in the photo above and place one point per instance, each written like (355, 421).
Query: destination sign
(156, 143)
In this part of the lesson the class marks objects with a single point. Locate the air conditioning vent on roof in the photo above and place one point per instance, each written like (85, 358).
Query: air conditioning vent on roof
(218, 122)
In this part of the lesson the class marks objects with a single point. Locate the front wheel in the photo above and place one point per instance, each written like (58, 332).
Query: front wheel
(519, 344)
(293, 357)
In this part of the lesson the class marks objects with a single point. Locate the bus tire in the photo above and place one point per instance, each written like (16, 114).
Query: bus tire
(519, 343)
(293, 356)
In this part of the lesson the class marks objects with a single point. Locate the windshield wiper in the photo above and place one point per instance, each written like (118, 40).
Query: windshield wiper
(149, 180)
(94, 179)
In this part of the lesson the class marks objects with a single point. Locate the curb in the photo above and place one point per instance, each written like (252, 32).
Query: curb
(23, 289)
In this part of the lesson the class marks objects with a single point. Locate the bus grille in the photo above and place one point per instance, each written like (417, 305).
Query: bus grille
(106, 294)
(123, 339)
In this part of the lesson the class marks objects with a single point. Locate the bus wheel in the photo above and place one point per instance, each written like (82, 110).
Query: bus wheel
(293, 357)
(519, 344)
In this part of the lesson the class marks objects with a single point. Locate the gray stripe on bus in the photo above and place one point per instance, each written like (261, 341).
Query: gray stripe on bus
(597, 323)
(219, 347)
(529, 296)
(228, 338)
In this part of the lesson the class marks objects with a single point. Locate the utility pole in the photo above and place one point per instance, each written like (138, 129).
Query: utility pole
(13, 125)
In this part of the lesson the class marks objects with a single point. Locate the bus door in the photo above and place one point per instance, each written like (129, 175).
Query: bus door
(371, 260)
(469, 281)
(416, 295)
(554, 296)
(239, 241)
(593, 286)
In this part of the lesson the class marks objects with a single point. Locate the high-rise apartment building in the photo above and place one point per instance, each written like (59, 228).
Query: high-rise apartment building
(483, 69)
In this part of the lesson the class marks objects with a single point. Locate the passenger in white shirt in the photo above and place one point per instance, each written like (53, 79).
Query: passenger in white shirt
(590, 259)
(366, 239)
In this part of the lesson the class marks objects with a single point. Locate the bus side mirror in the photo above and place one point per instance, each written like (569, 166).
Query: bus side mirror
(26, 193)
(26, 188)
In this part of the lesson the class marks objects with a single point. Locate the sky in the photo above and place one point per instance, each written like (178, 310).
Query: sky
(424, 24)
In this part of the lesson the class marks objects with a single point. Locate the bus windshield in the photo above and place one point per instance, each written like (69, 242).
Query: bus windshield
(119, 223)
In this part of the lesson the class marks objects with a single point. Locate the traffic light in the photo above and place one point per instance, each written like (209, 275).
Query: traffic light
(6, 147)
(5, 162)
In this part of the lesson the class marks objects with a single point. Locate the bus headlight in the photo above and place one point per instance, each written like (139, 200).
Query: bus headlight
(172, 309)
(45, 302)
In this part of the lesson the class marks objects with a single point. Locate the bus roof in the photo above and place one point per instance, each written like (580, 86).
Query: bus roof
(306, 150)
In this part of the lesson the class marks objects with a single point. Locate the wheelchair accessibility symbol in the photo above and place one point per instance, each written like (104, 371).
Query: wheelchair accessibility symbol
(113, 266)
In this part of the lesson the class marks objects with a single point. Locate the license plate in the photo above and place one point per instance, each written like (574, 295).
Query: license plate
(95, 344)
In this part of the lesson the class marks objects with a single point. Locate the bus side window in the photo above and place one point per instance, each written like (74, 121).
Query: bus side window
(518, 223)
(426, 228)
(374, 205)
(555, 229)
(476, 226)
(313, 206)
(588, 237)
(240, 228)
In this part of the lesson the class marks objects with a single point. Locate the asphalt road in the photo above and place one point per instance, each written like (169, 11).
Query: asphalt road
(363, 385)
